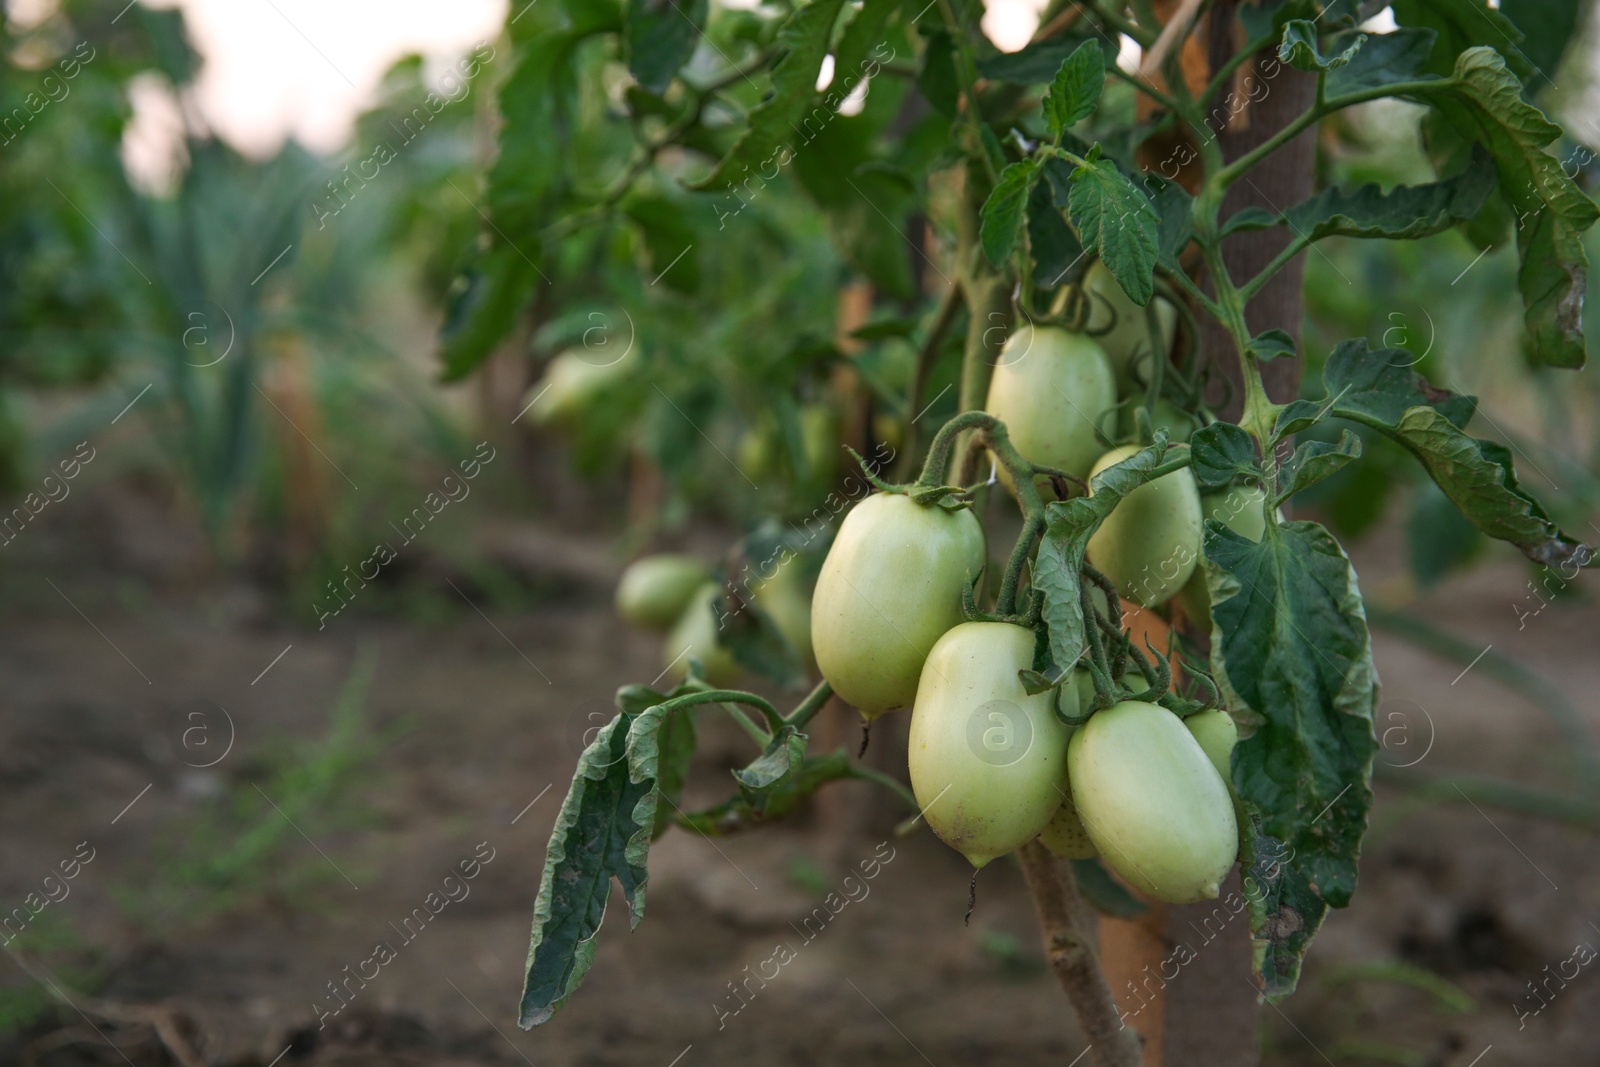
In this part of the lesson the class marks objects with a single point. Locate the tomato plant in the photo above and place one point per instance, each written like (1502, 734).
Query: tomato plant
(1016, 217)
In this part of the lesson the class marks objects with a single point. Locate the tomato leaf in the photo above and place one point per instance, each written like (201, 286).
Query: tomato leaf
(659, 37)
(1116, 220)
(754, 808)
(600, 834)
(1406, 212)
(669, 238)
(781, 758)
(634, 699)
(1460, 25)
(1039, 62)
(1250, 218)
(485, 303)
(757, 644)
(861, 41)
(804, 37)
(1291, 648)
(1299, 48)
(1380, 384)
(1034, 682)
(1483, 101)
(1271, 344)
(1221, 452)
(1057, 254)
(863, 199)
(1070, 523)
(483, 307)
(1075, 91)
(1314, 461)
(1264, 24)
(675, 741)
(1479, 478)
(1384, 59)
(1549, 27)
(1002, 211)
(1377, 389)
(1297, 415)
(1449, 151)
(1174, 206)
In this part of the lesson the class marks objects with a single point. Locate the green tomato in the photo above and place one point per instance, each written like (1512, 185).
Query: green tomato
(761, 450)
(655, 590)
(890, 587)
(787, 602)
(572, 383)
(695, 634)
(987, 761)
(1217, 733)
(1127, 343)
(819, 432)
(1150, 543)
(1166, 415)
(1052, 389)
(1065, 836)
(756, 450)
(1152, 802)
(1239, 508)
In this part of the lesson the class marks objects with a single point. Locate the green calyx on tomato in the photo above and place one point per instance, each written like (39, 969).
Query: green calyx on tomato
(1053, 389)
(1150, 543)
(695, 635)
(655, 590)
(890, 587)
(987, 760)
(1152, 802)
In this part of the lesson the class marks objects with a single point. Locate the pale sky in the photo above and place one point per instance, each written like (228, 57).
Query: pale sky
(273, 68)
(306, 68)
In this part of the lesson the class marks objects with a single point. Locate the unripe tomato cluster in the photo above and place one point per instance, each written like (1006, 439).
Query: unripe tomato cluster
(992, 765)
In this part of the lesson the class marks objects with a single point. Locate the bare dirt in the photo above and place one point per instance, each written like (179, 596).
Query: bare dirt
(473, 722)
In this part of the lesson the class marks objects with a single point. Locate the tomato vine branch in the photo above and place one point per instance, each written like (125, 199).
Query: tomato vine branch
(775, 722)
(807, 709)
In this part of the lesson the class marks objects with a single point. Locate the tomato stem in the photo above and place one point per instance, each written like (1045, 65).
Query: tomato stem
(993, 436)
(894, 785)
(807, 709)
(1032, 527)
(1066, 928)
(775, 722)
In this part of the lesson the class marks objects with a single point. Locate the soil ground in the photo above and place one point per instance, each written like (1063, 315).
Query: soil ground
(466, 742)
